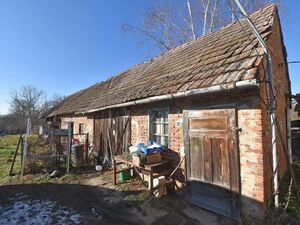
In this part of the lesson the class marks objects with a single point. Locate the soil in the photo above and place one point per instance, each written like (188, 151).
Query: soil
(95, 200)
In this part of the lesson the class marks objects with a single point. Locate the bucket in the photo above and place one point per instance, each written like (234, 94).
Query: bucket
(124, 175)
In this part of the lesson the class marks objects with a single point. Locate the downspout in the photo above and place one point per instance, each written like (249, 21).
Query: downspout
(272, 106)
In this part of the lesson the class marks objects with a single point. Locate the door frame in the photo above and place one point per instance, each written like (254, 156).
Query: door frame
(193, 111)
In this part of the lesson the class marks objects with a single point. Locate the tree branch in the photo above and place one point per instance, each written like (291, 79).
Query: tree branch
(148, 34)
(191, 19)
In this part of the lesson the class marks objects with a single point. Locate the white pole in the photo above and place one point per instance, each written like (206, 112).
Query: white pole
(272, 102)
(28, 131)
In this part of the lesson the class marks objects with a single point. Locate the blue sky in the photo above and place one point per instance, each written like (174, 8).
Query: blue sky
(64, 46)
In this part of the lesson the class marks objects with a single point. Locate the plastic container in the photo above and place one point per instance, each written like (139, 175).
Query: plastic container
(98, 167)
(153, 147)
(133, 149)
(77, 154)
(124, 175)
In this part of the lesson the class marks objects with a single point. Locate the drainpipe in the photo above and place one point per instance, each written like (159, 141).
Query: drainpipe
(272, 106)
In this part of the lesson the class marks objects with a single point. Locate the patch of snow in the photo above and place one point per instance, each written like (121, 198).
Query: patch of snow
(25, 211)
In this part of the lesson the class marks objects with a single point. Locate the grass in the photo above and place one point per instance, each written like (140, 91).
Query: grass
(7, 148)
(34, 174)
(294, 204)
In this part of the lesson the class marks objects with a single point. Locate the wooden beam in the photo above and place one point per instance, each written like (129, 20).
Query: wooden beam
(15, 155)
(69, 146)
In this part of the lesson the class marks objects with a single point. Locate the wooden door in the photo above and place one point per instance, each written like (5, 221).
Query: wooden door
(212, 162)
(117, 128)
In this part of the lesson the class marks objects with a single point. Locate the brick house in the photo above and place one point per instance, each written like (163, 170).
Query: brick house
(207, 98)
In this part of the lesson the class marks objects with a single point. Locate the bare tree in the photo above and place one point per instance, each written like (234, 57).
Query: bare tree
(26, 103)
(171, 23)
(52, 102)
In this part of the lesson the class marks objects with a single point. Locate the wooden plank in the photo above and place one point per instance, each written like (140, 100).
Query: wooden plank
(196, 148)
(233, 152)
(217, 161)
(60, 132)
(208, 133)
(219, 123)
(69, 146)
(225, 163)
(207, 113)
(220, 162)
(207, 155)
(115, 171)
(15, 155)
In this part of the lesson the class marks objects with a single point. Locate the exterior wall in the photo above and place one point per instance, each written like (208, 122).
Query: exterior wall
(281, 89)
(88, 126)
(249, 119)
(251, 161)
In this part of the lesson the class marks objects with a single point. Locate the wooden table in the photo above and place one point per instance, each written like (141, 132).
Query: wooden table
(154, 170)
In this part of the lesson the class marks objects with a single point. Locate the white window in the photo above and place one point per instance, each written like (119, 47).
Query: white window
(159, 126)
(81, 128)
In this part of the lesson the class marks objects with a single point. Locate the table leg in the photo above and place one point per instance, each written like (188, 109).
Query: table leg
(115, 172)
(151, 181)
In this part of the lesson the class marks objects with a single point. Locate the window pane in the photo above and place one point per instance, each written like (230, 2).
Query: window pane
(159, 128)
(166, 129)
(157, 116)
(164, 141)
(156, 128)
(165, 116)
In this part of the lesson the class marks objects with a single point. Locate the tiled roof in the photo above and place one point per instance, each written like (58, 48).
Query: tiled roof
(228, 55)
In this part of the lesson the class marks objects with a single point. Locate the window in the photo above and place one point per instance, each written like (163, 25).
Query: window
(81, 128)
(159, 126)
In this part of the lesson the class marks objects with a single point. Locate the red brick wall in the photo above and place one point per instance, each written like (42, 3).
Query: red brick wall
(88, 124)
(281, 88)
(249, 116)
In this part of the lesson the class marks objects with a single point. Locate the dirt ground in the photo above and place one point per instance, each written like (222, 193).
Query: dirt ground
(95, 200)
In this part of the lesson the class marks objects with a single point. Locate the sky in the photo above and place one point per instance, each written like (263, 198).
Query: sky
(64, 46)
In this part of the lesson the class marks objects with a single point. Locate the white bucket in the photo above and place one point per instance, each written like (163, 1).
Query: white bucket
(98, 167)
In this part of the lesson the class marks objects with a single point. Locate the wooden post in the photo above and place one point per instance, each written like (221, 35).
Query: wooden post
(15, 155)
(151, 181)
(109, 145)
(115, 171)
(22, 148)
(69, 146)
(87, 147)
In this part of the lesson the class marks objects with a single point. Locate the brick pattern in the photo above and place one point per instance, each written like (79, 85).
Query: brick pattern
(88, 126)
(252, 117)
(282, 87)
(250, 139)
(139, 125)
(251, 161)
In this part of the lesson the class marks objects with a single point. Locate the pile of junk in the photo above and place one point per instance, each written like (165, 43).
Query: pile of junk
(151, 157)
(143, 155)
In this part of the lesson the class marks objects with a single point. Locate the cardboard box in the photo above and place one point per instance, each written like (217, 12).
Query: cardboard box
(153, 158)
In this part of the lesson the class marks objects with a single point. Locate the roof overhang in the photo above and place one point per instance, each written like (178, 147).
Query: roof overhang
(212, 89)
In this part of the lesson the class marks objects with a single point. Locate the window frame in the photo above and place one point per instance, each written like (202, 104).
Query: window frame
(81, 128)
(150, 124)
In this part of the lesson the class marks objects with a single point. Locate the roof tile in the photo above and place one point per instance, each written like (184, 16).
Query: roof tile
(225, 56)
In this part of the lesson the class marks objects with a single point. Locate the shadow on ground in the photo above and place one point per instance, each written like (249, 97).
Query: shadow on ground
(87, 204)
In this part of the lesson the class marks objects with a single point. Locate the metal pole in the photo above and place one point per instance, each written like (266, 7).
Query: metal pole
(28, 131)
(272, 102)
